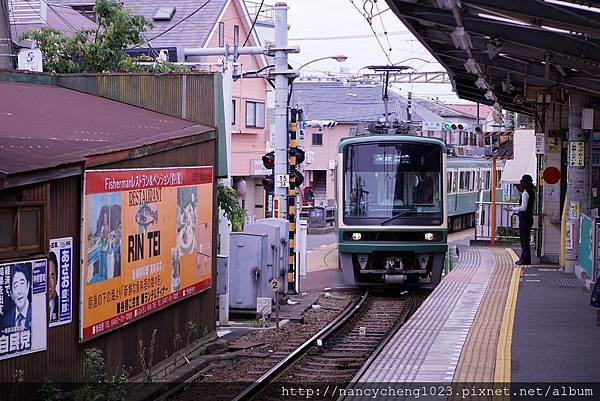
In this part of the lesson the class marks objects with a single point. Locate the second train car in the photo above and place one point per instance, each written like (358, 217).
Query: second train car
(468, 179)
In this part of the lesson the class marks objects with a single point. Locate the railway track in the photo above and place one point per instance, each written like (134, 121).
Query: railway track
(337, 352)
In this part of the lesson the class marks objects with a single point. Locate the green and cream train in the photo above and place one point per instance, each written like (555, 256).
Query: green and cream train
(396, 197)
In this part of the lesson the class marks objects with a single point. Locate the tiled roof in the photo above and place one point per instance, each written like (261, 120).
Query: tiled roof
(191, 33)
(60, 17)
(328, 100)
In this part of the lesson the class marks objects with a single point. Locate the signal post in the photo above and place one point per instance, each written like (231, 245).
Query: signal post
(296, 157)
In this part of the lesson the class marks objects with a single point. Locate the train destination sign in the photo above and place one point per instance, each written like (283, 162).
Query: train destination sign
(147, 242)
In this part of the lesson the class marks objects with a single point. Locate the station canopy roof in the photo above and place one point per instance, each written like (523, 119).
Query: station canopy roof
(512, 52)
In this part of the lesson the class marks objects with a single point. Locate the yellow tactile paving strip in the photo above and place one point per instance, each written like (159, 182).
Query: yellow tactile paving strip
(503, 352)
(477, 363)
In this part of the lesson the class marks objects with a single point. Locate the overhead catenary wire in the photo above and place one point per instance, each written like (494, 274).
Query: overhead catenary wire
(253, 23)
(385, 33)
(372, 30)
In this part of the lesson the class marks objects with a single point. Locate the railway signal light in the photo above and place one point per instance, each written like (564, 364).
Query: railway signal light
(453, 126)
(299, 179)
(298, 154)
(268, 182)
(269, 160)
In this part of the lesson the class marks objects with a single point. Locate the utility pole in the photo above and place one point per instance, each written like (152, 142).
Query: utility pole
(6, 47)
(281, 75)
(408, 107)
(281, 94)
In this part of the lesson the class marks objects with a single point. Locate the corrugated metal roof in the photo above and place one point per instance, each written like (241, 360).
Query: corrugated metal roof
(46, 126)
(329, 100)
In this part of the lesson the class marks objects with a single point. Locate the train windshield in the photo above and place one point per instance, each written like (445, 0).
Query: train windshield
(393, 184)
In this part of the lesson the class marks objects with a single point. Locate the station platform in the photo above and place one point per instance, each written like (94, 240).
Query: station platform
(493, 321)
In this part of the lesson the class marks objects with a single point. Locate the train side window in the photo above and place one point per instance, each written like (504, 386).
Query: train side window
(449, 183)
(455, 182)
(499, 176)
(473, 181)
(487, 180)
(461, 187)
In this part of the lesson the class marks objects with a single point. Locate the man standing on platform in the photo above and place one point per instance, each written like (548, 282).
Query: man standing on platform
(525, 213)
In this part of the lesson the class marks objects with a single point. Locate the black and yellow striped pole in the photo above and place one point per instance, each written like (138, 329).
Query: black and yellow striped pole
(296, 156)
(292, 203)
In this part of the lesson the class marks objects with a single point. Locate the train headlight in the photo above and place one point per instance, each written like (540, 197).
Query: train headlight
(356, 236)
(429, 236)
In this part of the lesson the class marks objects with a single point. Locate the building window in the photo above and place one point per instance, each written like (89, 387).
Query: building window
(233, 111)
(221, 34)
(236, 35)
(352, 132)
(255, 115)
(317, 138)
(21, 230)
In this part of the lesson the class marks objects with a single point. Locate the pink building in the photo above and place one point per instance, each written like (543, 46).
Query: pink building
(180, 25)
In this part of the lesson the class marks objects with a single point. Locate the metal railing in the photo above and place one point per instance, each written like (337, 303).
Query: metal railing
(506, 221)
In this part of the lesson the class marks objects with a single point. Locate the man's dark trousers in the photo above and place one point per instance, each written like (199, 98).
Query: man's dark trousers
(525, 224)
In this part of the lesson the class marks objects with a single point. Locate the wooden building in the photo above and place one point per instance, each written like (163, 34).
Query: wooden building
(50, 136)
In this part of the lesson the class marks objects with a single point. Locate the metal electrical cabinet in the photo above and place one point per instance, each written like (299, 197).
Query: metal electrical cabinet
(249, 272)
(278, 249)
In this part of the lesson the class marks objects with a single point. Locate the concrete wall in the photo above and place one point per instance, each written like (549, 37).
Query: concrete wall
(552, 205)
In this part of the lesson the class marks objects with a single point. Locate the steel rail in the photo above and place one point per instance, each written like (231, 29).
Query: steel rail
(265, 379)
(410, 306)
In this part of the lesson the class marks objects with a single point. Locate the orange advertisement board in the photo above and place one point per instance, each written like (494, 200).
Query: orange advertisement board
(146, 242)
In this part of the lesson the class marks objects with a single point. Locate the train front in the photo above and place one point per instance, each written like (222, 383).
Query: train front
(392, 216)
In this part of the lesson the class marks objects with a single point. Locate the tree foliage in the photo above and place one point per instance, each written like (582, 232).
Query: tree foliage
(228, 202)
(100, 49)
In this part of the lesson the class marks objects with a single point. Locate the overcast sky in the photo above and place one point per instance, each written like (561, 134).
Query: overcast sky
(342, 29)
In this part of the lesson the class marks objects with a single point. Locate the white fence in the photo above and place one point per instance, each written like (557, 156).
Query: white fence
(507, 227)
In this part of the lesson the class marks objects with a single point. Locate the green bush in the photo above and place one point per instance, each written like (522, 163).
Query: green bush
(100, 49)
(227, 200)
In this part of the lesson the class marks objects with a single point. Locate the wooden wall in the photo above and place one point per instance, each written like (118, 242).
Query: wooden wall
(63, 359)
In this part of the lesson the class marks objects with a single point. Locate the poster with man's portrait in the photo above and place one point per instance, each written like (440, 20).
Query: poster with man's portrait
(59, 281)
(22, 307)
